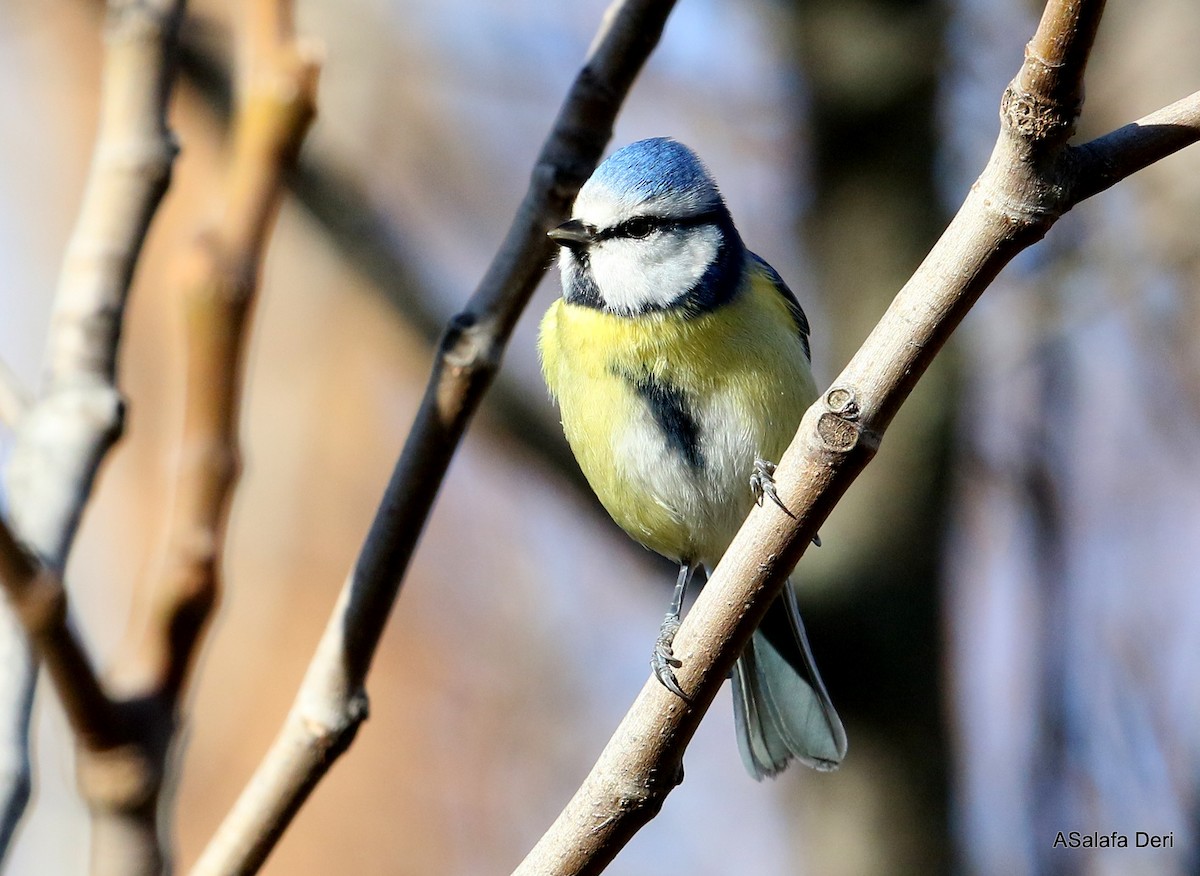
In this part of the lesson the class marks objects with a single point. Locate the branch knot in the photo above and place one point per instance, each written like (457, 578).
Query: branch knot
(839, 428)
(1036, 118)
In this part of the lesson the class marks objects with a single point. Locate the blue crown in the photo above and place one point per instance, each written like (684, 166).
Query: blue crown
(656, 170)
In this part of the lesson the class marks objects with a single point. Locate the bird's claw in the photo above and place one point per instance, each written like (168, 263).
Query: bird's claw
(663, 661)
(762, 483)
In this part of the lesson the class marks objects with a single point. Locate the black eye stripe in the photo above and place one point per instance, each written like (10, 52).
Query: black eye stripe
(640, 226)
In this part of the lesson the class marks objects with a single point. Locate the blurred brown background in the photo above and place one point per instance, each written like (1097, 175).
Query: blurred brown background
(1005, 606)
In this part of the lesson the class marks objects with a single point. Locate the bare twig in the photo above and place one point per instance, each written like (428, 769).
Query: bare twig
(1031, 180)
(38, 601)
(18, 680)
(332, 702)
(36, 594)
(1107, 160)
(78, 413)
(220, 278)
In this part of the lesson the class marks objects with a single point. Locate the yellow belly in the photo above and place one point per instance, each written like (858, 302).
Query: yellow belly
(746, 379)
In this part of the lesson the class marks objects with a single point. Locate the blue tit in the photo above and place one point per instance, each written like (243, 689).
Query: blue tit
(680, 363)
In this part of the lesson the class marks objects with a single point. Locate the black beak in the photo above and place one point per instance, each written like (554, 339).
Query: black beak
(573, 234)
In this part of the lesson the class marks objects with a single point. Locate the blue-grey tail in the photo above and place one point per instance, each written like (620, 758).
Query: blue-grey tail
(780, 706)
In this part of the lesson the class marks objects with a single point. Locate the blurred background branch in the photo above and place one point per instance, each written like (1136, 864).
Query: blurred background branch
(78, 412)
(37, 596)
(125, 742)
(64, 433)
(218, 279)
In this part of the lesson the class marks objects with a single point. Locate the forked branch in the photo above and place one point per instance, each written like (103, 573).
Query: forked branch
(63, 434)
(125, 744)
(219, 278)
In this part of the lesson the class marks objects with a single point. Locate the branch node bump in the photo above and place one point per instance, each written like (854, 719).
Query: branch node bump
(838, 427)
(358, 709)
(561, 179)
(469, 344)
(1037, 119)
(842, 402)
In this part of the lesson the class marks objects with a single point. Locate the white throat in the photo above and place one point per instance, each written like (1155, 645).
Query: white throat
(633, 275)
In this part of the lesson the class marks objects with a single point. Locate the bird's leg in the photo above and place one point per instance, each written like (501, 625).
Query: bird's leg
(664, 661)
(762, 483)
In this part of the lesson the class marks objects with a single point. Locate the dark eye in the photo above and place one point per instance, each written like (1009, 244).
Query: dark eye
(640, 227)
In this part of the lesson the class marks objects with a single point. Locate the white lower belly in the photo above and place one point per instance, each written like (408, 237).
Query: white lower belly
(710, 500)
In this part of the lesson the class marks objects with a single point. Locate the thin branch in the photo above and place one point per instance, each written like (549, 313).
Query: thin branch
(18, 680)
(16, 704)
(78, 414)
(332, 702)
(1056, 58)
(1029, 182)
(1107, 160)
(101, 726)
(220, 279)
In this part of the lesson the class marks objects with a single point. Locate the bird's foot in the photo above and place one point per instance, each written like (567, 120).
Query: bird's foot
(762, 483)
(663, 661)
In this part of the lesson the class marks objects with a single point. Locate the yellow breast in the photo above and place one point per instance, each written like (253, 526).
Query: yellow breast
(742, 382)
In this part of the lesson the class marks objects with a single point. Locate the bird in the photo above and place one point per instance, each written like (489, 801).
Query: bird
(680, 363)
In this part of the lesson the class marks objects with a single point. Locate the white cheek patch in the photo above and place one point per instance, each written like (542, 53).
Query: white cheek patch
(636, 274)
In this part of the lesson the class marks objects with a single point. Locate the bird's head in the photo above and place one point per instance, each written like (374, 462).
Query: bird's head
(649, 231)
